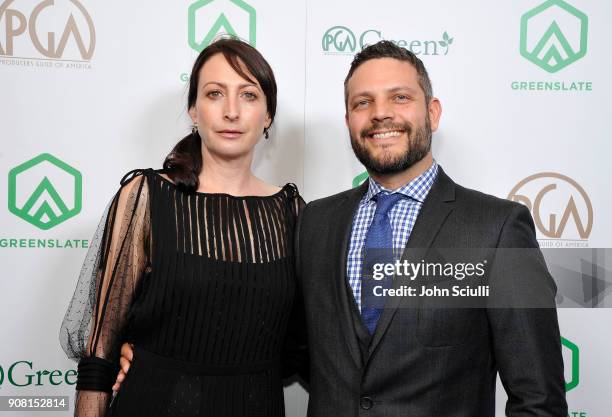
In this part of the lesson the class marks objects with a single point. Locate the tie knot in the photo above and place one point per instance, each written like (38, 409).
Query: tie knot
(385, 202)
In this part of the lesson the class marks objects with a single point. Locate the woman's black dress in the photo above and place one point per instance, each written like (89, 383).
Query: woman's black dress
(202, 284)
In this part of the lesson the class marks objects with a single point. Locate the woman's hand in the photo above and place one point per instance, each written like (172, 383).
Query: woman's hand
(127, 355)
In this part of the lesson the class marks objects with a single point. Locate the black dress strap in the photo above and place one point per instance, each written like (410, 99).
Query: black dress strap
(134, 173)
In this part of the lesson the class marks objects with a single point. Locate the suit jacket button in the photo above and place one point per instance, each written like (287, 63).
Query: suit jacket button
(366, 403)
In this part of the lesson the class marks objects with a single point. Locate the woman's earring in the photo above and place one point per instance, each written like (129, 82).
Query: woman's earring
(266, 134)
(194, 128)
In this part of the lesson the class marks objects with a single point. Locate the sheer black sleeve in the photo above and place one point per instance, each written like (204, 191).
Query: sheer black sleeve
(92, 330)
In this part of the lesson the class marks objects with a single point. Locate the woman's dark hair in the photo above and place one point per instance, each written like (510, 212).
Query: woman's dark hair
(184, 163)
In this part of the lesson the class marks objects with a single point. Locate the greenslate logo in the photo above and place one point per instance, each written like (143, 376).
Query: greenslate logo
(575, 364)
(360, 179)
(209, 18)
(33, 191)
(554, 35)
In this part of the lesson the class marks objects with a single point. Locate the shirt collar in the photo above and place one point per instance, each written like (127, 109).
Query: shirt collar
(417, 189)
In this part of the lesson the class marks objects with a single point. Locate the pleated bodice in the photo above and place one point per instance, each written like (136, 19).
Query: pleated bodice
(221, 280)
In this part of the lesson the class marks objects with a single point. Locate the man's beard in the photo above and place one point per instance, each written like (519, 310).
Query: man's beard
(419, 144)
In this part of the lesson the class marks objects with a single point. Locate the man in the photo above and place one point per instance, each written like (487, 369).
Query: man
(396, 361)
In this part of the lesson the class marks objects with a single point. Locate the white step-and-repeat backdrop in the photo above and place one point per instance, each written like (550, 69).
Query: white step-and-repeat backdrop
(92, 89)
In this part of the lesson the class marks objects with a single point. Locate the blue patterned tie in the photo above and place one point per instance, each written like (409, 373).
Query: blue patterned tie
(377, 249)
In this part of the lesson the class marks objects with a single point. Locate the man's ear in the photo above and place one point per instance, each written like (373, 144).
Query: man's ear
(434, 111)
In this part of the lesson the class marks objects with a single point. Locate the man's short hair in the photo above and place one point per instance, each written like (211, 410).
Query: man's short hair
(387, 49)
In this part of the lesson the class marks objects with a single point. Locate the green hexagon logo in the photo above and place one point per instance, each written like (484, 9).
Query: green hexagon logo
(554, 35)
(575, 362)
(209, 18)
(44, 191)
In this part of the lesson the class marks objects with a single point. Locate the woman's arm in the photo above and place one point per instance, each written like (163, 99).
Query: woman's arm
(94, 325)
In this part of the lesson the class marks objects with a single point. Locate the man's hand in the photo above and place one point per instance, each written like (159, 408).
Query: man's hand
(127, 355)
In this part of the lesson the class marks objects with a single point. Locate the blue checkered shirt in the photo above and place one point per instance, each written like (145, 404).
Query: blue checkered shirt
(402, 216)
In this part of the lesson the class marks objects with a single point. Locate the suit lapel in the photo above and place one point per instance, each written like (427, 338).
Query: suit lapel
(436, 208)
(346, 303)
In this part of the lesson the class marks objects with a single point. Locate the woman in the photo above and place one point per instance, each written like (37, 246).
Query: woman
(193, 264)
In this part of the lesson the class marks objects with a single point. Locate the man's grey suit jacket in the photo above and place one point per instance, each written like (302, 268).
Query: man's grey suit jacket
(435, 362)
